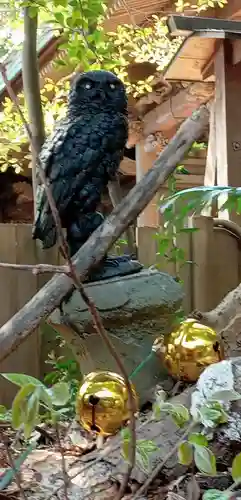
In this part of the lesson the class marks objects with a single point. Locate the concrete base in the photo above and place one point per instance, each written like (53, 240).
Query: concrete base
(135, 310)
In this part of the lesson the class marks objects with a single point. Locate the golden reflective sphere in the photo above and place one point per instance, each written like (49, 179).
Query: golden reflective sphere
(102, 402)
(189, 349)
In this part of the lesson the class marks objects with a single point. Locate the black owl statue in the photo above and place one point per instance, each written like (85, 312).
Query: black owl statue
(79, 159)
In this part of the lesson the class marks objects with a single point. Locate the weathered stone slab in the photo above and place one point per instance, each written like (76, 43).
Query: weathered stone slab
(223, 376)
(135, 309)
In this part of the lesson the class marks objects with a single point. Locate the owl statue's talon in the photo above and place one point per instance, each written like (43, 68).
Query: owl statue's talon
(112, 267)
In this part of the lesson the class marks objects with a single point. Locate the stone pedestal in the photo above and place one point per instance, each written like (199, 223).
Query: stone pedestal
(135, 309)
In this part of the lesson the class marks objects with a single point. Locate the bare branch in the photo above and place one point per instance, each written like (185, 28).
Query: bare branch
(91, 253)
(37, 268)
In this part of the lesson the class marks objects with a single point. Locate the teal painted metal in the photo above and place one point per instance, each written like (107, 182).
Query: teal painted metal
(14, 60)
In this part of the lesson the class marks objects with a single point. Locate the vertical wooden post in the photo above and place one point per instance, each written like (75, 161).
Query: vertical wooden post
(227, 121)
(204, 269)
(211, 160)
(148, 220)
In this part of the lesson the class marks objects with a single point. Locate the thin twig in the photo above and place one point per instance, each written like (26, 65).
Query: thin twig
(63, 463)
(17, 474)
(63, 246)
(142, 490)
(37, 268)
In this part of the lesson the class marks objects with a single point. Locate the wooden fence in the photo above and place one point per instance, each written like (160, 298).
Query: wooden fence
(214, 261)
(16, 288)
(214, 271)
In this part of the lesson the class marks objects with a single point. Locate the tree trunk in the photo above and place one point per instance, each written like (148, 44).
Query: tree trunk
(31, 88)
(96, 247)
(226, 315)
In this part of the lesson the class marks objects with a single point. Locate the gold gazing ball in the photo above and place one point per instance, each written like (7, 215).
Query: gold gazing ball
(189, 349)
(102, 402)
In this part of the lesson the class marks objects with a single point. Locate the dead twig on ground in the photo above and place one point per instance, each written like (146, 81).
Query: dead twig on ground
(12, 465)
(63, 463)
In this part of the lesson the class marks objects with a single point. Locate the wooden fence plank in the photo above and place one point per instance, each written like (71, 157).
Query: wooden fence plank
(184, 242)
(226, 251)
(204, 275)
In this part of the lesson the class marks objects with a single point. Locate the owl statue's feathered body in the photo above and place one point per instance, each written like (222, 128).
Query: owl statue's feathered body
(81, 157)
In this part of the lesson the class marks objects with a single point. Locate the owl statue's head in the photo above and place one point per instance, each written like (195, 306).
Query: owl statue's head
(97, 90)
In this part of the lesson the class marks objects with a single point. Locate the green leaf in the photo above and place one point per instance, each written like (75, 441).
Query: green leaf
(163, 244)
(212, 414)
(59, 17)
(178, 412)
(19, 405)
(32, 416)
(144, 450)
(33, 11)
(195, 438)
(225, 396)
(205, 460)
(236, 468)
(185, 453)
(215, 495)
(21, 379)
(59, 393)
(3, 410)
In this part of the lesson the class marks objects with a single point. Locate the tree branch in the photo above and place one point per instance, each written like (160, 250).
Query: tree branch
(31, 88)
(37, 268)
(91, 253)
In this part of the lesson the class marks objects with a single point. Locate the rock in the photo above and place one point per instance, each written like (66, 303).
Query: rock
(135, 309)
(223, 376)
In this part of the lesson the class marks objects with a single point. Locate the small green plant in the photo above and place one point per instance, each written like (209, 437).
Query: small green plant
(192, 449)
(167, 237)
(120, 245)
(144, 450)
(67, 371)
(34, 399)
(189, 202)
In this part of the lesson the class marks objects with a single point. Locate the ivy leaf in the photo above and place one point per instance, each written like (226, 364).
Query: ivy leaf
(215, 495)
(178, 412)
(226, 396)
(185, 453)
(212, 414)
(59, 393)
(195, 438)
(236, 468)
(205, 460)
(144, 450)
